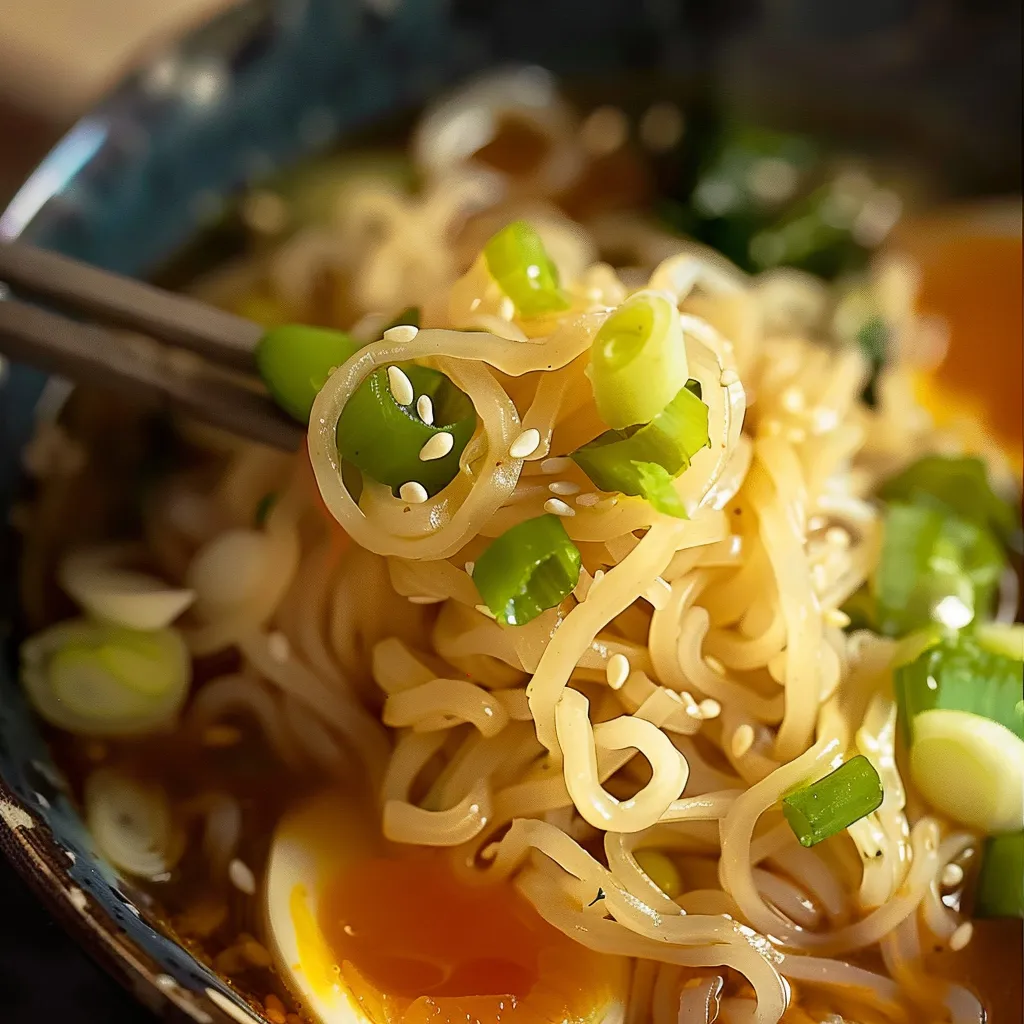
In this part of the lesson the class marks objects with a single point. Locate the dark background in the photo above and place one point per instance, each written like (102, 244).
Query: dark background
(955, 64)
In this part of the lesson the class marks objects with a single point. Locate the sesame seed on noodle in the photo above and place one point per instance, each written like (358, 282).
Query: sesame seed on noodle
(400, 385)
(525, 444)
(558, 507)
(413, 492)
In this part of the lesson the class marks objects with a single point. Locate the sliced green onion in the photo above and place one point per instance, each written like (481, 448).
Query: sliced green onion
(643, 461)
(959, 674)
(969, 768)
(517, 260)
(934, 567)
(295, 362)
(531, 567)
(661, 871)
(959, 486)
(383, 437)
(833, 803)
(1000, 888)
(1001, 639)
(638, 360)
(102, 680)
(874, 339)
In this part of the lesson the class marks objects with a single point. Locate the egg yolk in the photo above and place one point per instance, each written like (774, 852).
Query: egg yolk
(971, 279)
(415, 944)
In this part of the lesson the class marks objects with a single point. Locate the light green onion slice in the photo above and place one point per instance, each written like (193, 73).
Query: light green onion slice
(531, 567)
(969, 768)
(1000, 888)
(295, 362)
(638, 360)
(1002, 639)
(519, 263)
(383, 437)
(94, 679)
(934, 567)
(643, 461)
(833, 803)
(960, 674)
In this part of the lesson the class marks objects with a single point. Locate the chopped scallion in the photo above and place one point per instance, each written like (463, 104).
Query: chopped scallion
(638, 360)
(934, 567)
(1000, 888)
(1002, 639)
(383, 437)
(529, 568)
(263, 507)
(833, 803)
(960, 674)
(644, 461)
(101, 680)
(956, 485)
(970, 768)
(295, 361)
(517, 260)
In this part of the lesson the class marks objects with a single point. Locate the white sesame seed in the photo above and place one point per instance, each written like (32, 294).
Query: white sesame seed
(437, 447)
(241, 877)
(278, 646)
(470, 566)
(413, 492)
(836, 617)
(400, 385)
(952, 875)
(742, 740)
(559, 464)
(588, 500)
(714, 664)
(710, 708)
(425, 408)
(617, 671)
(402, 332)
(728, 378)
(961, 936)
(564, 488)
(424, 599)
(525, 444)
(558, 507)
(484, 610)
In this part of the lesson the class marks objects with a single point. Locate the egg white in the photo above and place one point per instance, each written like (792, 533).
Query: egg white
(309, 846)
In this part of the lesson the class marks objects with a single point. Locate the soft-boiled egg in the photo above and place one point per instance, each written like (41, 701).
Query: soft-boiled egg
(365, 932)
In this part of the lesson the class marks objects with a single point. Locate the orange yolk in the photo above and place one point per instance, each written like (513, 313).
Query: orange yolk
(417, 945)
(972, 280)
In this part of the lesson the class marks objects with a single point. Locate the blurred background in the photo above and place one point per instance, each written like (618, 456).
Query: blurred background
(940, 77)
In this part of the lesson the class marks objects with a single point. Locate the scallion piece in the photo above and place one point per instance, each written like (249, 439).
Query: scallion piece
(94, 679)
(517, 260)
(1002, 639)
(1000, 888)
(295, 361)
(643, 461)
(383, 437)
(956, 485)
(934, 567)
(960, 674)
(638, 360)
(833, 803)
(531, 567)
(970, 768)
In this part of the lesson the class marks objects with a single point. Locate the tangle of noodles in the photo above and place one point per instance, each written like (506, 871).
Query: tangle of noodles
(364, 648)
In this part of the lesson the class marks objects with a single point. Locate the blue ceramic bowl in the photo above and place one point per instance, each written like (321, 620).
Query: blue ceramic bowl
(250, 93)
